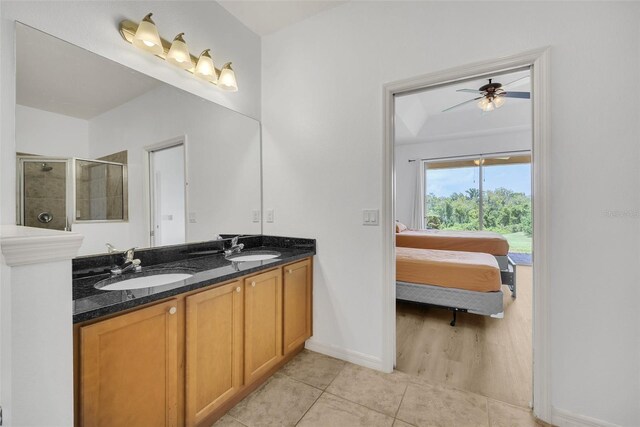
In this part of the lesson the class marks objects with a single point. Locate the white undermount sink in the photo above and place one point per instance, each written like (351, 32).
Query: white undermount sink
(145, 281)
(254, 256)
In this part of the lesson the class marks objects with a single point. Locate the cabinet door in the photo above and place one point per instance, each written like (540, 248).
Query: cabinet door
(263, 323)
(214, 349)
(296, 305)
(128, 369)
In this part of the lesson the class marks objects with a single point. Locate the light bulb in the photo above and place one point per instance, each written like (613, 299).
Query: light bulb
(498, 101)
(227, 80)
(147, 37)
(179, 53)
(205, 68)
(482, 104)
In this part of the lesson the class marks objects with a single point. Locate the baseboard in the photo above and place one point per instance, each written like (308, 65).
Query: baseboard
(563, 418)
(347, 355)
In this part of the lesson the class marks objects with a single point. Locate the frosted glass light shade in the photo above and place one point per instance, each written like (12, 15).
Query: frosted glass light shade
(178, 54)
(147, 37)
(205, 68)
(227, 80)
(483, 104)
(498, 101)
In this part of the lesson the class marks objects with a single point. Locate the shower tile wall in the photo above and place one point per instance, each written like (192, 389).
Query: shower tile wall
(45, 191)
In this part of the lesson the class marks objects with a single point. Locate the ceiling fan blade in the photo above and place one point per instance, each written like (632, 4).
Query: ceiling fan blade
(470, 91)
(515, 81)
(523, 95)
(461, 104)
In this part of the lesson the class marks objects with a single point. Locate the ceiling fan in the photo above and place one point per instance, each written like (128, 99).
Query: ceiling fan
(492, 95)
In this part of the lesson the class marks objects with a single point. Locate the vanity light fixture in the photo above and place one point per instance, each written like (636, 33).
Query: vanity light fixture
(179, 54)
(227, 80)
(205, 68)
(145, 36)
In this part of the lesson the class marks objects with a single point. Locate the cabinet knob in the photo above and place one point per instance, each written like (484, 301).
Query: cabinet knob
(238, 289)
(253, 284)
(290, 271)
(173, 310)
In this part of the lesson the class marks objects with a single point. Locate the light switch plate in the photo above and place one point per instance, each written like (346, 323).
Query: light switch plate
(192, 218)
(256, 215)
(269, 215)
(370, 217)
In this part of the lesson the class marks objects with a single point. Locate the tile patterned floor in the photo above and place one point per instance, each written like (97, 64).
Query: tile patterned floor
(316, 390)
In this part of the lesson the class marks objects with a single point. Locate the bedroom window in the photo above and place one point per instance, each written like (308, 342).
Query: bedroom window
(481, 193)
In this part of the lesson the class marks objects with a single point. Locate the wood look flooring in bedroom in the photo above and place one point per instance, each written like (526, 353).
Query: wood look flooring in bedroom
(491, 357)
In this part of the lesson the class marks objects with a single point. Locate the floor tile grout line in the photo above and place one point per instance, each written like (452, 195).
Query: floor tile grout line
(487, 408)
(309, 408)
(302, 382)
(359, 404)
(395, 416)
(235, 419)
(451, 387)
(344, 365)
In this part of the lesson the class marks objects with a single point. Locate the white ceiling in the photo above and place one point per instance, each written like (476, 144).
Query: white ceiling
(419, 116)
(267, 16)
(56, 76)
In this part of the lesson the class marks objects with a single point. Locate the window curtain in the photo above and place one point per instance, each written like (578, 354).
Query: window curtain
(417, 216)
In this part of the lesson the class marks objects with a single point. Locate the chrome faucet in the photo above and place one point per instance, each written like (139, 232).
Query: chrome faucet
(235, 247)
(129, 262)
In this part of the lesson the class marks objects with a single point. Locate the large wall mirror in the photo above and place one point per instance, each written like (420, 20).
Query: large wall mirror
(125, 159)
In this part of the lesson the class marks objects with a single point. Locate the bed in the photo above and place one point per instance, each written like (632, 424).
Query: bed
(456, 280)
(467, 241)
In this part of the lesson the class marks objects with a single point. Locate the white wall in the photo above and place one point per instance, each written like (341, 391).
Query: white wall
(223, 165)
(322, 127)
(50, 134)
(405, 171)
(93, 25)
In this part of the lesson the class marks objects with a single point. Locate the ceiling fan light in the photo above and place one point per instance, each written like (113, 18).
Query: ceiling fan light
(179, 54)
(227, 80)
(483, 104)
(205, 68)
(147, 37)
(498, 101)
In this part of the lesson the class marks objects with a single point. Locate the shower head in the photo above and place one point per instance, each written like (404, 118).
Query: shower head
(45, 167)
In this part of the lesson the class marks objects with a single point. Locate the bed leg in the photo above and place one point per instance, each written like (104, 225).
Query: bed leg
(512, 285)
(453, 321)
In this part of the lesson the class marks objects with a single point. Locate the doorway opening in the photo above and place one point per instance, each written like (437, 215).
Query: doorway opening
(497, 202)
(167, 194)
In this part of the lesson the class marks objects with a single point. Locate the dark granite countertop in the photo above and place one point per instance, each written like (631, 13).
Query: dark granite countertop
(91, 303)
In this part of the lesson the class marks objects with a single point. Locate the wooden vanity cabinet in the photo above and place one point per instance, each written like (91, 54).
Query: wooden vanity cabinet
(214, 347)
(129, 369)
(187, 360)
(296, 305)
(262, 323)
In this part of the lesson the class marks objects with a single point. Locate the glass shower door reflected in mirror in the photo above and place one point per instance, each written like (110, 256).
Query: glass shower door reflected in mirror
(100, 191)
(44, 194)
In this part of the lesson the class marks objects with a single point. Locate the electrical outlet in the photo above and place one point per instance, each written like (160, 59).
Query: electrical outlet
(370, 217)
(269, 215)
(256, 215)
